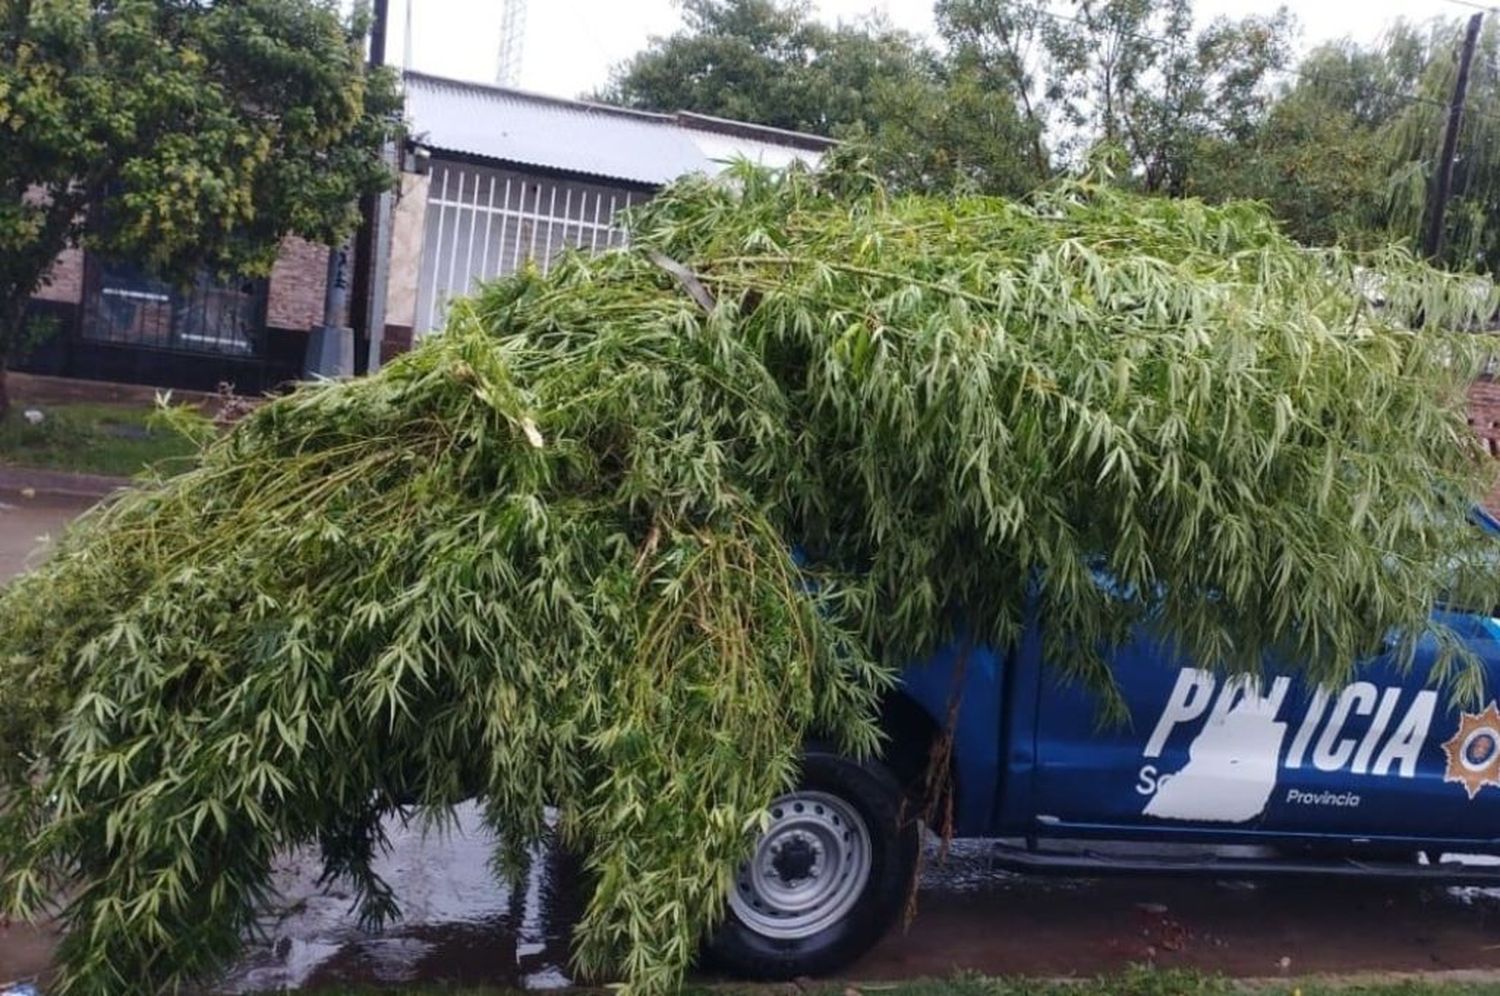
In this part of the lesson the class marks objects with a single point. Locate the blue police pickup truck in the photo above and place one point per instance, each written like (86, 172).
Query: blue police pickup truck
(1380, 778)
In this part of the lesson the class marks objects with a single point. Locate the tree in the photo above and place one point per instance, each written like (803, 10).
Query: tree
(745, 59)
(1000, 44)
(926, 123)
(1346, 153)
(1423, 62)
(181, 133)
(1128, 73)
(948, 132)
(1212, 89)
(1319, 157)
(1321, 171)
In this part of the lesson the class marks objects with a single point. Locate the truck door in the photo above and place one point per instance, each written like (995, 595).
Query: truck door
(1384, 756)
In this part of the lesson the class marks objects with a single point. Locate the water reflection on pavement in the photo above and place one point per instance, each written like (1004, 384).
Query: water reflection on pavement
(460, 923)
(463, 926)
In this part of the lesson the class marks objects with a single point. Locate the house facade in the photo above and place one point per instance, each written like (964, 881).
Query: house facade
(497, 178)
(492, 179)
(101, 320)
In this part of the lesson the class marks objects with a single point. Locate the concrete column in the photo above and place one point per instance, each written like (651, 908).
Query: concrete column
(403, 280)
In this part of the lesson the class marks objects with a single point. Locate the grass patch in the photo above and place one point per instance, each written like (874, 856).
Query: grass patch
(90, 438)
(1134, 982)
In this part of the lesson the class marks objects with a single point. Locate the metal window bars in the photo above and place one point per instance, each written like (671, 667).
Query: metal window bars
(484, 223)
(126, 306)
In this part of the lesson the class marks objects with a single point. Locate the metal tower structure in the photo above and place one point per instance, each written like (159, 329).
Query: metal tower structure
(512, 42)
(406, 50)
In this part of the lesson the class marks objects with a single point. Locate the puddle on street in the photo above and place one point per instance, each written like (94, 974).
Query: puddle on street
(463, 926)
(459, 923)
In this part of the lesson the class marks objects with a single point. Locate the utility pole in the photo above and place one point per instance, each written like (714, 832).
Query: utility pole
(330, 346)
(1442, 188)
(364, 310)
(341, 345)
(381, 19)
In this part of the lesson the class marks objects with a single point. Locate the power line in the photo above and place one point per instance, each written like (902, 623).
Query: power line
(1361, 88)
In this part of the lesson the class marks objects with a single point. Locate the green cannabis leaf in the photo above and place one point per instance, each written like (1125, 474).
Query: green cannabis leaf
(618, 547)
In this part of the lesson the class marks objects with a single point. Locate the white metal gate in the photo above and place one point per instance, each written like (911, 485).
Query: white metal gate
(483, 223)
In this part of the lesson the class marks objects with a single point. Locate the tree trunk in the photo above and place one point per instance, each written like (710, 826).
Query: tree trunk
(1018, 80)
(11, 316)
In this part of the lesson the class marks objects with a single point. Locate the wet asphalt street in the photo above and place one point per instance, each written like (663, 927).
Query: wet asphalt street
(462, 926)
(28, 525)
(27, 528)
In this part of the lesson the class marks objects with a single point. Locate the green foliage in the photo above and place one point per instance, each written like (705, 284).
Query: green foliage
(1424, 60)
(180, 134)
(110, 439)
(925, 123)
(945, 132)
(1320, 170)
(36, 331)
(1125, 73)
(1344, 155)
(545, 559)
(1324, 157)
(1013, 80)
(1348, 153)
(751, 60)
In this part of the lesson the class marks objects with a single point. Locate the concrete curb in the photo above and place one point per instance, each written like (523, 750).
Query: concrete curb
(57, 482)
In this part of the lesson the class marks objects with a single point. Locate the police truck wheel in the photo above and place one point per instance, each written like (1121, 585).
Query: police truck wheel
(827, 877)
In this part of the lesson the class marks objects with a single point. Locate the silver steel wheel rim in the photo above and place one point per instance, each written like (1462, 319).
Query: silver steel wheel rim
(809, 868)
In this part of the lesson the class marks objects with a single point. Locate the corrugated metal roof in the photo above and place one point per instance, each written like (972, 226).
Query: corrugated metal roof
(580, 137)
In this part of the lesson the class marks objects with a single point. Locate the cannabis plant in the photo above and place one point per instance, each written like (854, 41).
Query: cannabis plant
(625, 535)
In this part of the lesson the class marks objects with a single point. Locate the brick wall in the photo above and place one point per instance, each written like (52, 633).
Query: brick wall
(64, 283)
(295, 298)
(1484, 416)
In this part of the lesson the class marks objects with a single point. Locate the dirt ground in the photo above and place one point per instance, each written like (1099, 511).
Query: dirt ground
(462, 926)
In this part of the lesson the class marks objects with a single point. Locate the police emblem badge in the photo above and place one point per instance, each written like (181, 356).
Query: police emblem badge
(1474, 751)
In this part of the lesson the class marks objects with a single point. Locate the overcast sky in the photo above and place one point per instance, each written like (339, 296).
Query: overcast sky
(571, 45)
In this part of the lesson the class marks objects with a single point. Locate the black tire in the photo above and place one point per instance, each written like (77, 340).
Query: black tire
(873, 792)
